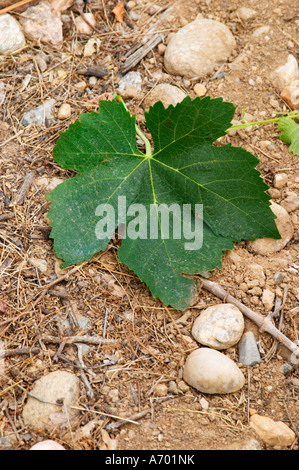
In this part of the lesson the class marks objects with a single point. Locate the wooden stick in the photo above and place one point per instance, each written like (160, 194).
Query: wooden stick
(14, 6)
(264, 323)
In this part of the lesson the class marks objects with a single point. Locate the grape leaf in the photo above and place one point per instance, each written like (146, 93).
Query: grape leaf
(290, 134)
(185, 170)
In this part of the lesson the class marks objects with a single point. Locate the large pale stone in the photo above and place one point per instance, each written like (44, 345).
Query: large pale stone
(220, 326)
(273, 433)
(41, 23)
(210, 371)
(285, 74)
(57, 387)
(199, 48)
(266, 246)
(11, 35)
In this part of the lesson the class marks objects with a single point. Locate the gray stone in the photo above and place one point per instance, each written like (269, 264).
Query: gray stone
(130, 85)
(248, 351)
(286, 368)
(199, 48)
(11, 35)
(278, 278)
(219, 327)
(41, 115)
(43, 413)
(210, 371)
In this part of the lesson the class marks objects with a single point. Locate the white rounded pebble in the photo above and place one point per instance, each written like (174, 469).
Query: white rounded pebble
(246, 13)
(210, 371)
(199, 89)
(47, 445)
(280, 180)
(199, 48)
(64, 111)
(220, 326)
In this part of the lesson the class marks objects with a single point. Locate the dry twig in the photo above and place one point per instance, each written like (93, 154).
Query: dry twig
(264, 323)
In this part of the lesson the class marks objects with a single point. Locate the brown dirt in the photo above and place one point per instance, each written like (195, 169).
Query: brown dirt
(149, 348)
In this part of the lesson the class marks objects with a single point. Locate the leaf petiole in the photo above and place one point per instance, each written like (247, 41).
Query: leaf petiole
(148, 149)
(257, 123)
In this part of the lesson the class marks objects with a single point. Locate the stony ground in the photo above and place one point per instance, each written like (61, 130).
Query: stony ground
(147, 346)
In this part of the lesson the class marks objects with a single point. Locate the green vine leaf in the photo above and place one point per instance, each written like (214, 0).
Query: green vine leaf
(290, 134)
(117, 183)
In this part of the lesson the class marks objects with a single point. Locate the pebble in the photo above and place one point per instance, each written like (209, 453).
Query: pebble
(64, 111)
(268, 299)
(161, 390)
(8, 443)
(219, 327)
(249, 354)
(172, 387)
(47, 445)
(199, 48)
(260, 31)
(280, 180)
(168, 94)
(40, 264)
(246, 14)
(82, 26)
(48, 184)
(58, 386)
(61, 5)
(266, 246)
(41, 60)
(42, 115)
(92, 81)
(210, 371)
(130, 85)
(183, 387)
(286, 368)
(11, 35)
(278, 278)
(40, 23)
(204, 403)
(290, 94)
(256, 273)
(285, 74)
(80, 86)
(161, 49)
(91, 46)
(2, 92)
(248, 444)
(200, 90)
(291, 202)
(273, 433)
(274, 193)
